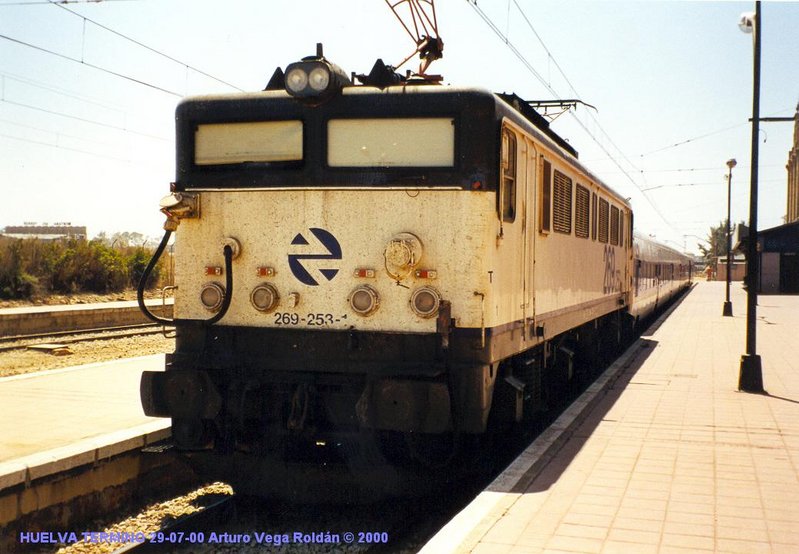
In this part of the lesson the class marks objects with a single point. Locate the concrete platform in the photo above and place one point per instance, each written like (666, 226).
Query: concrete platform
(75, 317)
(663, 454)
(69, 436)
(55, 416)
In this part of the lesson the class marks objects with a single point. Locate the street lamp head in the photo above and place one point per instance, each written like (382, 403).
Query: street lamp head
(731, 163)
(747, 22)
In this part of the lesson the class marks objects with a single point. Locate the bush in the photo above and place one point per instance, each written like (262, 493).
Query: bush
(137, 262)
(15, 281)
(32, 266)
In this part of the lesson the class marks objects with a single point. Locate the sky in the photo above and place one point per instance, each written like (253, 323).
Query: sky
(88, 91)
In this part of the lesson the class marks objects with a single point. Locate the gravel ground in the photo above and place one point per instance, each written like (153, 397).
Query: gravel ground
(16, 362)
(148, 520)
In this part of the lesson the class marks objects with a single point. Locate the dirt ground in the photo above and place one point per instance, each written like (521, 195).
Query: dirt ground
(16, 362)
(19, 361)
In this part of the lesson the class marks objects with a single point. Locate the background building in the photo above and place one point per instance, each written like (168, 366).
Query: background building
(792, 214)
(779, 259)
(45, 232)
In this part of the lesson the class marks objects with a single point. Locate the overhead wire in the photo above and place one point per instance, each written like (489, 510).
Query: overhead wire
(58, 134)
(549, 87)
(145, 46)
(57, 90)
(83, 119)
(35, 2)
(93, 66)
(710, 134)
(62, 147)
(571, 86)
(692, 139)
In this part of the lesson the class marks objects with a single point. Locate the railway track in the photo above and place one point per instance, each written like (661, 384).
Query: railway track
(186, 530)
(22, 342)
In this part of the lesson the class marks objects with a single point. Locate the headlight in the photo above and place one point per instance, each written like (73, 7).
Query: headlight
(264, 297)
(296, 80)
(314, 79)
(212, 295)
(319, 79)
(364, 300)
(425, 302)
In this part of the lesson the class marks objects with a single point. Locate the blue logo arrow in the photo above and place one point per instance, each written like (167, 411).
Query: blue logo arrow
(333, 253)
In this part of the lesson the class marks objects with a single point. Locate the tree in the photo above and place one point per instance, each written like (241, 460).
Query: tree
(128, 239)
(716, 242)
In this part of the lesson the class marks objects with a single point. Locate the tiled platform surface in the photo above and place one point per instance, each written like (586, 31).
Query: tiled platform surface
(671, 457)
(66, 434)
(47, 410)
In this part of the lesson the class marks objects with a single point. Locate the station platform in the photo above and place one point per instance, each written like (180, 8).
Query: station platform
(662, 454)
(71, 445)
(29, 320)
(53, 420)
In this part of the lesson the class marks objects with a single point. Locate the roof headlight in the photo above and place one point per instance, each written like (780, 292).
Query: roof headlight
(319, 78)
(296, 80)
(315, 79)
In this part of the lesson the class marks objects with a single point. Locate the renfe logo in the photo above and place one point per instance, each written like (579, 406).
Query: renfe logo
(333, 253)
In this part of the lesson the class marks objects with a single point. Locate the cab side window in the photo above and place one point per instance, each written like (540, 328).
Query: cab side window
(508, 191)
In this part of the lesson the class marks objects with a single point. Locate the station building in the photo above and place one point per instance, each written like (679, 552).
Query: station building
(778, 247)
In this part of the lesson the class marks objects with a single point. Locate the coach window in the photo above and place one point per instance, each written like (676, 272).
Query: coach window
(546, 197)
(508, 192)
(614, 225)
(581, 210)
(604, 208)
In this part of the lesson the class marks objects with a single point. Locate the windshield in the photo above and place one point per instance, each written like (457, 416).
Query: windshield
(416, 142)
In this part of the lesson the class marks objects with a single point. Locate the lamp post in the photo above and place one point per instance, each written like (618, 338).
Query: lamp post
(750, 376)
(727, 309)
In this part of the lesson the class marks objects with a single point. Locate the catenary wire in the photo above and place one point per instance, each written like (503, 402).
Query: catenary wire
(93, 66)
(83, 119)
(142, 45)
(538, 76)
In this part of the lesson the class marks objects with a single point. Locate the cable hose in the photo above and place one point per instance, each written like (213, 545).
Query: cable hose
(228, 251)
(143, 282)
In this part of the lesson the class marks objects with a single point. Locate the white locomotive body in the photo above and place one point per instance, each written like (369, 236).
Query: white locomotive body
(415, 259)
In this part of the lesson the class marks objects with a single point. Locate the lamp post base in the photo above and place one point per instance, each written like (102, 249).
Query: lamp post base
(750, 377)
(727, 311)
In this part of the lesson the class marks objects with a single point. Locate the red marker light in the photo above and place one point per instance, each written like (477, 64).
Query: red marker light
(364, 273)
(266, 271)
(426, 274)
(213, 270)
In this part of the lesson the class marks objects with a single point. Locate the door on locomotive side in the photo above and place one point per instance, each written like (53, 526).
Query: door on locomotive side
(511, 235)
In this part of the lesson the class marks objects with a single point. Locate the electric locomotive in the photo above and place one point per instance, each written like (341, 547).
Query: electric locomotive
(372, 272)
